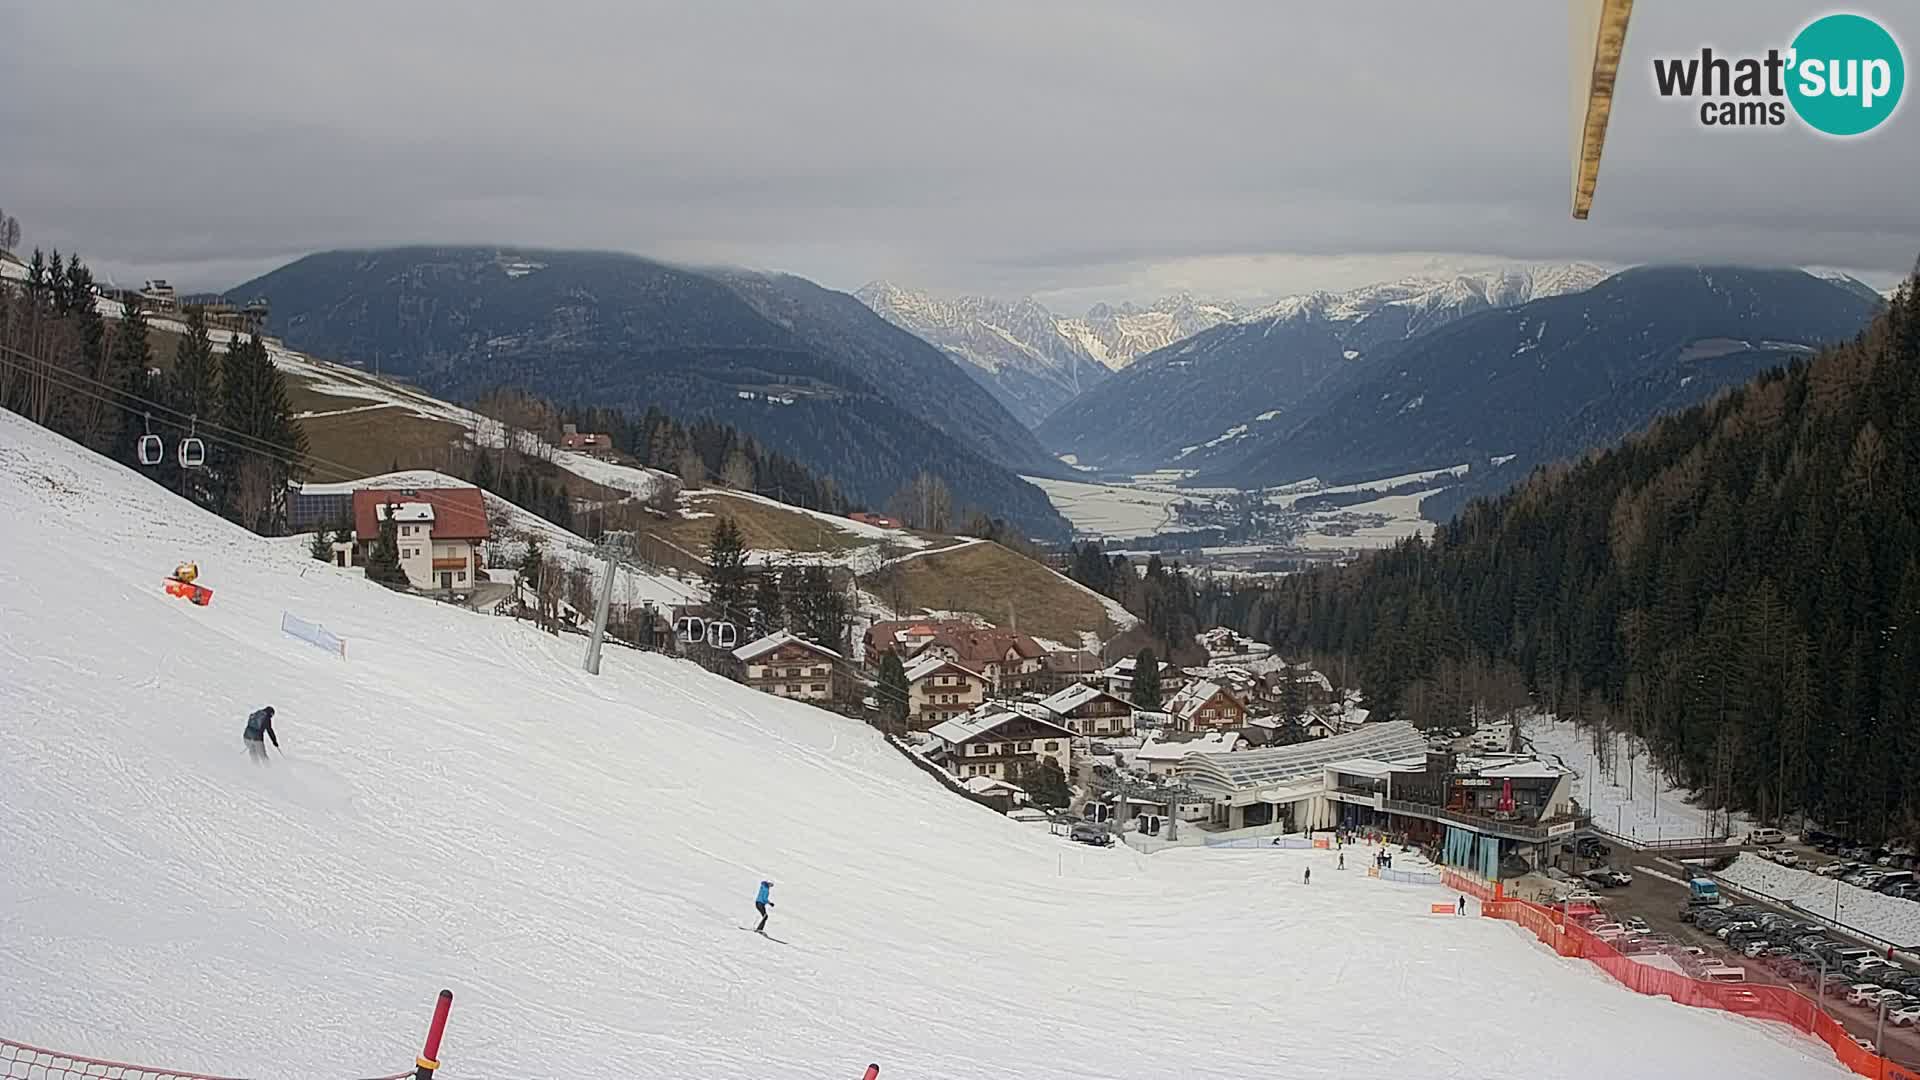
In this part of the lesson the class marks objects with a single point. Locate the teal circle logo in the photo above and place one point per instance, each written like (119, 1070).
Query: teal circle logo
(1847, 75)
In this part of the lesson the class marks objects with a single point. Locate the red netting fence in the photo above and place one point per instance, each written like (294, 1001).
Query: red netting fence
(1760, 1001)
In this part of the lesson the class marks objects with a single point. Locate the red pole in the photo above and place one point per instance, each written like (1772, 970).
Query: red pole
(873, 1072)
(429, 1057)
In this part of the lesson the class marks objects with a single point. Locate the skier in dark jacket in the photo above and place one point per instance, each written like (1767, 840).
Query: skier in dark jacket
(259, 730)
(760, 902)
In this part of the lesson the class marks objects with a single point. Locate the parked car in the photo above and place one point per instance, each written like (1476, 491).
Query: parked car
(1892, 976)
(1589, 847)
(1786, 857)
(1865, 1044)
(1858, 993)
(1635, 922)
(1905, 1016)
(1832, 869)
(1086, 832)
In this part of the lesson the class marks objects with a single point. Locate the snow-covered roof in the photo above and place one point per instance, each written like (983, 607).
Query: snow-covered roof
(773, 641)
(927, 665)
(406, 511)
(1072, 697)
(1219, 742)
(973, 725)
(987, 785)
(1525, 770)
(1192, 696)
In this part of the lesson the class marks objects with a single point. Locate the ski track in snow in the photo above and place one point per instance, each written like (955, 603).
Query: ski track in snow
(457, 804)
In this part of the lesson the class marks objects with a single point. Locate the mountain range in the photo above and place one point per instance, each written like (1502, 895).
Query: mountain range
(1030, 358)
(1512, 387)
(809, 371)
(1216, 386)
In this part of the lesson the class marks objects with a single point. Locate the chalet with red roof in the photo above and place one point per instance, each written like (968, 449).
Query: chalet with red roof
(441, 532)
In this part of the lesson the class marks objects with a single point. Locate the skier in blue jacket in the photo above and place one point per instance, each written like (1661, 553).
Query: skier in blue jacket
(259, 730)
(761, 904)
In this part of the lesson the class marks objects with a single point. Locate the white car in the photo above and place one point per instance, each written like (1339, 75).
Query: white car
(1786, 858)
(1832, 869)
(1865, 1044)
(1858, 993)
(1905, 1017)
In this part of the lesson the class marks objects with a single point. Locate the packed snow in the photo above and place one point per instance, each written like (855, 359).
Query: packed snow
(1626, 798)
(1888, 918)
(459, 805)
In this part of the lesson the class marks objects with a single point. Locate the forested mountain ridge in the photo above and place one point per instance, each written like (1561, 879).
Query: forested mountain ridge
(806, 371)
(1739, 584)
(1511, 383)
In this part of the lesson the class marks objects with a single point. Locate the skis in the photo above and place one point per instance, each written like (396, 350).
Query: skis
(766, 935)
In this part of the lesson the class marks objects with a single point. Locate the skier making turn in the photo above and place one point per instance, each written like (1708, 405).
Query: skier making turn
(259, 730)
(760, 903)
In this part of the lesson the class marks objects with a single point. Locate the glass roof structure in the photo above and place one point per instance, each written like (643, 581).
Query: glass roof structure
(1282, 764)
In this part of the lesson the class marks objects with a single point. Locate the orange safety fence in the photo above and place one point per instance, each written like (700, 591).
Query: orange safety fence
(1760, 1001)
(1477, 887)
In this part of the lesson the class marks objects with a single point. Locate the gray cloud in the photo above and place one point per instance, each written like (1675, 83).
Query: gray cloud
(1074, 149)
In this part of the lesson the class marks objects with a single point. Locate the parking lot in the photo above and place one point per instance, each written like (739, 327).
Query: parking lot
(1658, 895)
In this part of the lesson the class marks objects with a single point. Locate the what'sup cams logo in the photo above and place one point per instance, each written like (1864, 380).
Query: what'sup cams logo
(1842, 75)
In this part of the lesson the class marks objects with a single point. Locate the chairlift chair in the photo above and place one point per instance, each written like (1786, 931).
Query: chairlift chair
(150, 448)
(193, 452)
(693, 630)
(724, 635)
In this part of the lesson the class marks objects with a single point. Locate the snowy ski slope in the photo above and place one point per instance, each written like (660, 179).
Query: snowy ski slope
(458, 805)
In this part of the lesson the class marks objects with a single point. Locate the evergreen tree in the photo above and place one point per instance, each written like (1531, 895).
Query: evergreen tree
(268, 446)
(483, 470)
(825, 609)
(322, 546)
(769, 605)
(130, 360)
(383, 561)
(1146, 680)
(1293, 698)
(727, 572)
(892, 692)
(1046, 786)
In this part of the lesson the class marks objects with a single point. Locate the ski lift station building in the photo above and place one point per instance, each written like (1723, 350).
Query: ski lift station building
(1384, 776)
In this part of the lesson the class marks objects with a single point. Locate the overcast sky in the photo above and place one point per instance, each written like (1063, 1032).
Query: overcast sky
(1077, 151)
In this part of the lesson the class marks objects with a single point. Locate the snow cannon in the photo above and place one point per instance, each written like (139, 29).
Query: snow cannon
(184, 585)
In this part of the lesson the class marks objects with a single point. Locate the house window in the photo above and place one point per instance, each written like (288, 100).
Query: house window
(1023, 748)
(793, 688)
(819, 688)
(978, 749)
(1053, 745)
(460, 575)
